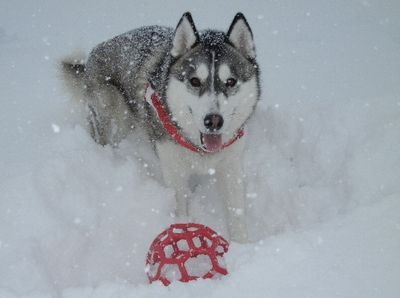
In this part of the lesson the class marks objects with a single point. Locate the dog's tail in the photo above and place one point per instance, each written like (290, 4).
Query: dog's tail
(72, 71)
(74, 64)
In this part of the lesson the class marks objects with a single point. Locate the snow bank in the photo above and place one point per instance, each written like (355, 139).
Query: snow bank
(322, 165)
(341, 259)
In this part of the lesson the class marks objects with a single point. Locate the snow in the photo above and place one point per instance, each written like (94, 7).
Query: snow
(198, 266)
(322, 166)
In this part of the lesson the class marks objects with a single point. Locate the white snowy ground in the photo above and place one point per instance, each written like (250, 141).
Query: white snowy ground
(322, 165)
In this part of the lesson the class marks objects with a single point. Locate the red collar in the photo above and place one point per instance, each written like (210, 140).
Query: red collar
(152, 97)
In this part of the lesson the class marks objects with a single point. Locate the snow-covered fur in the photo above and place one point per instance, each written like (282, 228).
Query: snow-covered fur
(209, 84)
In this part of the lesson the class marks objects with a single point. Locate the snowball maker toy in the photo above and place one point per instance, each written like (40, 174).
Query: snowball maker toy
(186, 252)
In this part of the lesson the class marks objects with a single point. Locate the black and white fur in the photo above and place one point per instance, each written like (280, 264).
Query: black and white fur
(196, 74)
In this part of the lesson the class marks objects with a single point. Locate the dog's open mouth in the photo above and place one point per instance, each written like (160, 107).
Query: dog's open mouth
(211, 142)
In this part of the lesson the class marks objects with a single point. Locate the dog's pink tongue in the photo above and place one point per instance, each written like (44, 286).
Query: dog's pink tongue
(212, 142)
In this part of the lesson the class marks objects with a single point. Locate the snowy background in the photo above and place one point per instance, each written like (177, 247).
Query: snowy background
(322, 165)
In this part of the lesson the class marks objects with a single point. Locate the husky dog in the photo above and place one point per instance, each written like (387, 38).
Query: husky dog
(192, 91)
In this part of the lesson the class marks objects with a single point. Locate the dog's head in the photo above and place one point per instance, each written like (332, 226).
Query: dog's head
(214, 81)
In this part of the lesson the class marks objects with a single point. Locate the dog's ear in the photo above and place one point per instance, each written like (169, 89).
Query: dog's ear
(185, 37)
(241, 37)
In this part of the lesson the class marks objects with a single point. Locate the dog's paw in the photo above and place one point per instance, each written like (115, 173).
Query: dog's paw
(240, 237)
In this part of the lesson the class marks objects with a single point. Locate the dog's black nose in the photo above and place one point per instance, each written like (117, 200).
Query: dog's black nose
(213, 122)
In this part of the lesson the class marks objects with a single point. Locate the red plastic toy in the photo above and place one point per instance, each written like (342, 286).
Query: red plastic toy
(186, 252)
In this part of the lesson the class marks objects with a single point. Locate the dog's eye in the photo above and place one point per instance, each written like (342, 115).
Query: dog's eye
(231, 82)
(195, 82)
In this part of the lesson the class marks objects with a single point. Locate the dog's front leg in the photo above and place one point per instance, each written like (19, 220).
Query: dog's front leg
(175, 174)
(232, 189)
